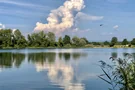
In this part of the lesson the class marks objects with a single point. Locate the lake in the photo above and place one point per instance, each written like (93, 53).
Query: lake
(54, 69)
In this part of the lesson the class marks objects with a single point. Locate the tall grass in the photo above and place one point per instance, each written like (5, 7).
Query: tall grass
(120, 74)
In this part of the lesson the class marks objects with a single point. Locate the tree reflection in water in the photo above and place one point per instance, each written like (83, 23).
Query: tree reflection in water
(59, 71)
(8, 60)
(41, 57)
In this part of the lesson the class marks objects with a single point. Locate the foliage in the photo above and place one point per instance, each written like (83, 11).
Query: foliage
(120, 75)
(60, 42)
(114, 41)
(19, 40)
(82, 42)
(87, 42)
(106, 43)
(124, 42)
(41, 39)
(133, 41)
(51, 38)
(66, 40)
(76, 40)
(67, 45)
(96, 43)
(15, 39)
(8, 38)
(79, 41)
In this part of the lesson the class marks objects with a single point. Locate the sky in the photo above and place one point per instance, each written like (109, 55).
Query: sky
(97, 20)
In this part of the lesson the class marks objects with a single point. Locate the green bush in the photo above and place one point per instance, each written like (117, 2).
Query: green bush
(68, 45)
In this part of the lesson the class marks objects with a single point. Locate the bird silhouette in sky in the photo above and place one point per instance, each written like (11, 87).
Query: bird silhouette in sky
(101, 24)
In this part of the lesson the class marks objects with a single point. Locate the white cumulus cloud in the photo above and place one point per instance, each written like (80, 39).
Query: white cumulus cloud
(65, 18)
(61, 19)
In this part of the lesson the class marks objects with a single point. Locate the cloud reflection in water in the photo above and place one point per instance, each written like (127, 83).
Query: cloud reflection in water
(61, 73)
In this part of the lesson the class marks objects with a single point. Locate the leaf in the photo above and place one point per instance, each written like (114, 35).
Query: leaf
(124, 77)
(105, 80)
(106, 73)
(110, 89)
(102, 75)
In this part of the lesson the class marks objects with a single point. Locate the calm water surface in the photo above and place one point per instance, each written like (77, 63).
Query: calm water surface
(54, 69)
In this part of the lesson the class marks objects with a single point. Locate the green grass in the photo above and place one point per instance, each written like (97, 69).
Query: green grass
(69, 47)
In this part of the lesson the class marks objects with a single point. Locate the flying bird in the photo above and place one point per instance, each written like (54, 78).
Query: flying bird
(101, 24)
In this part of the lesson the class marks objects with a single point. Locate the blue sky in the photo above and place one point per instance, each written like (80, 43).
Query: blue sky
(117, 17)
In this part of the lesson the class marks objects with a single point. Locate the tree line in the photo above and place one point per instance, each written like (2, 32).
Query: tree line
(15, 39)
(114, 41)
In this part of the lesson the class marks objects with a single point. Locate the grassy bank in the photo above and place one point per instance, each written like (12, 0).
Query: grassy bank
(66, 47)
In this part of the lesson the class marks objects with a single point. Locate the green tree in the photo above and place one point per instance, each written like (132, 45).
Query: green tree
(41, 39)
(114, 41)
(29, 40)
(96, 43)
(125, 42)
(66, 40)
(76, 40)
(106, 43)
(5, 38)
(19, 39)
(82, 42)
(60, 42)
(51, 38)
(87, 42)
(133, 41)
(35, 40)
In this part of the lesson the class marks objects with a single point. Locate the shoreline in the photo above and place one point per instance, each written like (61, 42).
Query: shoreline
(8, 48)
